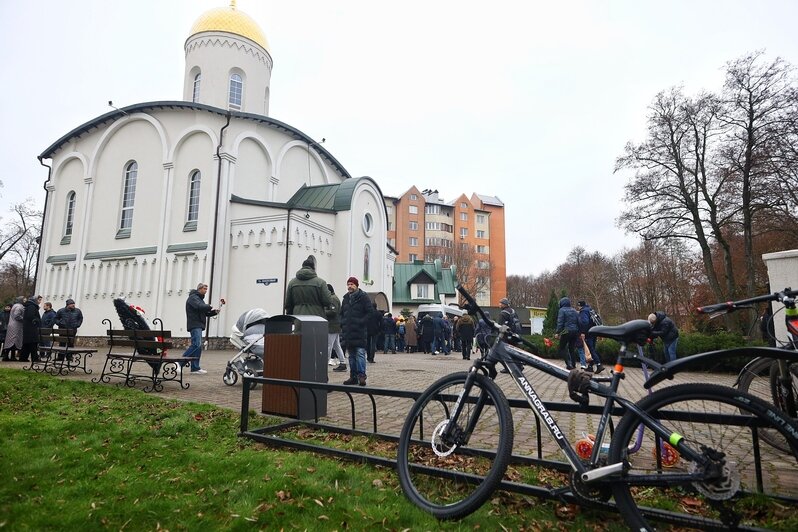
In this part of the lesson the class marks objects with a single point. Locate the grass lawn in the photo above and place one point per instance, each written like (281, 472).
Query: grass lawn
(82, 456)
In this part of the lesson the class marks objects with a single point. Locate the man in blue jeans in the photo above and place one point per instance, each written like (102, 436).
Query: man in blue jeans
(197, 314)
(356, 311)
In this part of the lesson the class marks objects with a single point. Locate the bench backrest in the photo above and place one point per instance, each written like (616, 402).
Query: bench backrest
(144, 342)
(57, 336)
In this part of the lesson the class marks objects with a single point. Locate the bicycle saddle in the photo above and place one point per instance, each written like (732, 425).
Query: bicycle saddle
(635, 331)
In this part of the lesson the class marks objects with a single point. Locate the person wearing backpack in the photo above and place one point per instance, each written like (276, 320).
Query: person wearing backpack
(567, 331)
(588, 318)
(401, 330)
(509, 317)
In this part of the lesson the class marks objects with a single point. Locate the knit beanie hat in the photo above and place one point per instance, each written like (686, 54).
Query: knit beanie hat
(354, 281)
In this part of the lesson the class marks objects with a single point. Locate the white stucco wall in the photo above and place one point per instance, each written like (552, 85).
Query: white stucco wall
(160, 262)
(782, 273)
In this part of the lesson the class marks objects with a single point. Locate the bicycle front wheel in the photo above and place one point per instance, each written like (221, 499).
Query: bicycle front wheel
(451, 477)
(751, 484)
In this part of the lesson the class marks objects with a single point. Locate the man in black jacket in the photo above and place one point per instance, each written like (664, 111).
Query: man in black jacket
(663, 327)
(197, 314)
(356, 312)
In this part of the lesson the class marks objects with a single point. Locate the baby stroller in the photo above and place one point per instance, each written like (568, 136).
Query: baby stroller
(247, 336)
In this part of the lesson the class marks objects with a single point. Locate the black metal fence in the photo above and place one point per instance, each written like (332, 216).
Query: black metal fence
(270, 434)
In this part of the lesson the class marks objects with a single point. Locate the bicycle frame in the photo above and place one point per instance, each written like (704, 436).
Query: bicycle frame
(514, 358)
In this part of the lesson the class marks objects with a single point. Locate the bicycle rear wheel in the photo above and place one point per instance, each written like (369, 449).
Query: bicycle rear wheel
(453, 479)
(716, 419)
(762, 379)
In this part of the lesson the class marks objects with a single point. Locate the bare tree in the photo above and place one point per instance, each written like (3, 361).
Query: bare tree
(522, 288)
(675, 193)
(19, 245)
(759, 114)
(472, 269)
(13, 231)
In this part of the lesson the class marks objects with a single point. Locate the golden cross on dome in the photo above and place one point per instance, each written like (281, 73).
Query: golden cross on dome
(232, 4)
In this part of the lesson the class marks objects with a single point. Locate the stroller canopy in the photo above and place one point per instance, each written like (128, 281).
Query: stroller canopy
(255, 316)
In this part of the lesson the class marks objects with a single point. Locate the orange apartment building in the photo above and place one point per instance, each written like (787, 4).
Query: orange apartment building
(422, 227)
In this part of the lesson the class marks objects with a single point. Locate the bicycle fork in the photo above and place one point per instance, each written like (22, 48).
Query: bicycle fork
(453, 434)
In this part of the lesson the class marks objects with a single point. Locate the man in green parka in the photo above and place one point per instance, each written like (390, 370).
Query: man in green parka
(307, 293)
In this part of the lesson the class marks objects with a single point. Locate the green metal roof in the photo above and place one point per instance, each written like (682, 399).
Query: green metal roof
(315, 197)
(405, 273)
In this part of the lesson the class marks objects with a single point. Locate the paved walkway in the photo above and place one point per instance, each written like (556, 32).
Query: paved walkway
(402, 371)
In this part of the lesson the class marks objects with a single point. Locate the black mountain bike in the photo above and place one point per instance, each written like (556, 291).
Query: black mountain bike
(773, 379)
(457, 442)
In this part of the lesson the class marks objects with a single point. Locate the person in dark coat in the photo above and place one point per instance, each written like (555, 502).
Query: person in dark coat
(465, 328)
(482, 333)
(69, 317)
(427, 333)
(568, 332)
(356, 313)
(389, 329)
(30, 331)
(439, 336)
(307, 293)
(663, 327)
(47, 322)
(197, 314)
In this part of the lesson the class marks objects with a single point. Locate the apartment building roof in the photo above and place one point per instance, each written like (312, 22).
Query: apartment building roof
(490, 200)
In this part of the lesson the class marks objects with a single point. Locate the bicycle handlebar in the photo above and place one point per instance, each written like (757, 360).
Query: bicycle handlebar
(474, 306)
(787, 296)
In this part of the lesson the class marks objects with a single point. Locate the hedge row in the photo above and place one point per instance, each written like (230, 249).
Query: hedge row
(689, 344)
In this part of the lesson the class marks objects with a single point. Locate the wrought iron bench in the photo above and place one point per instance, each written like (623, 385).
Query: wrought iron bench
(58, 354)
(136, 355)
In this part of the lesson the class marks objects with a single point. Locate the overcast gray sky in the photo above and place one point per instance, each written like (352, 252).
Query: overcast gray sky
(528, 101)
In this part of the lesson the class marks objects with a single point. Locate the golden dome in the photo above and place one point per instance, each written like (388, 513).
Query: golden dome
(230, 20)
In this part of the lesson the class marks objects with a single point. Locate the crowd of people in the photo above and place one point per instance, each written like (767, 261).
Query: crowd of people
(20, 323)
(357, 328)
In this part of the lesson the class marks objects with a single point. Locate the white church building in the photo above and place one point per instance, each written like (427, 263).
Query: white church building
(146, 201)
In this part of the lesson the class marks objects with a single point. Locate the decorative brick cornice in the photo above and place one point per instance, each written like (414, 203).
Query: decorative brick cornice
(230, 42)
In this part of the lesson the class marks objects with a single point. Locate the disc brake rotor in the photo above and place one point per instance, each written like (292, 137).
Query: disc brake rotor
(438, 445)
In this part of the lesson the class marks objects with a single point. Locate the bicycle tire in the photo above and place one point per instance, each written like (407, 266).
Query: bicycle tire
(684, 409)
(456, 484)
(785, 399)
(760, 380)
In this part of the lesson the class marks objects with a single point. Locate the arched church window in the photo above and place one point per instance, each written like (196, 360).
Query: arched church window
(192, 212)
(236, 92)
(70, 213)
(70, 218)
(128, 197)
(196, 93)
(366, 262)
